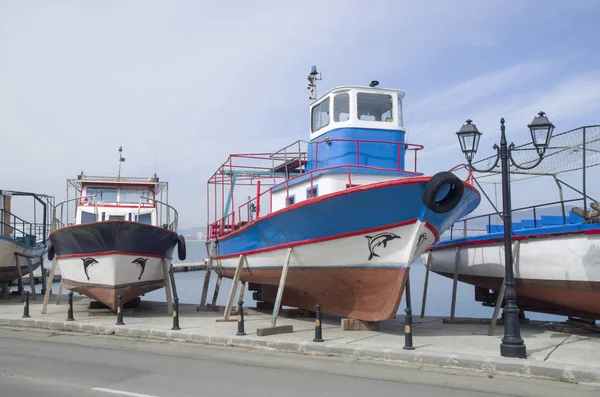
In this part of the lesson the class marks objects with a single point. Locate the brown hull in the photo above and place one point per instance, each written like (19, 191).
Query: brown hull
(568, 298)
(108, 295)
(362, 293)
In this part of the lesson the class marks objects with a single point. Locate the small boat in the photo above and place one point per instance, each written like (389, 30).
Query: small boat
(121, 241)
(342, 213)
(22, 241)
(557, 262)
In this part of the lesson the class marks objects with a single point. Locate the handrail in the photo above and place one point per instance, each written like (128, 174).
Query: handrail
(221, 223)
(489, 217)
(18, 225)
(176, 217)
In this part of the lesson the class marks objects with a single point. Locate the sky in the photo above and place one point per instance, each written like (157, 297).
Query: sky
(181, 85)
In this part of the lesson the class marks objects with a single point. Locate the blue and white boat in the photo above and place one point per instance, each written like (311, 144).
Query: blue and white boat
(557, 261)
(21, 241)
(342, 210)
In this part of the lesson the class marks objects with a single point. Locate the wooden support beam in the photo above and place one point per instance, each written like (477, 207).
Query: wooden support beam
(167, 286)
(454, 283)
(284, 271)
(500, 298)
(43, 270)
(20, 277)
(240, 294)
(207, 275)
(31, 278)
(49, 286)
(217, 289)
(61, 286)
(427, 268)
(234, 283)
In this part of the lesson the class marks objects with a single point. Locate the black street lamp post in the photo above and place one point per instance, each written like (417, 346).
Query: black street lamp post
(468, 136)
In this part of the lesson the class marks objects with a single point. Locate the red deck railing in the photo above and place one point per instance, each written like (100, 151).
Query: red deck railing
(272, 171)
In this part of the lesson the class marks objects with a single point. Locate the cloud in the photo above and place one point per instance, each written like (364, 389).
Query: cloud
(181, 85)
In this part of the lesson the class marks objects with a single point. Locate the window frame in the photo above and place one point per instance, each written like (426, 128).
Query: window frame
(312, 115)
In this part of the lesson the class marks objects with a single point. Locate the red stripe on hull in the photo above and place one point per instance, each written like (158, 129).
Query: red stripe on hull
(105, 253)
(568, 298)
(365, 294)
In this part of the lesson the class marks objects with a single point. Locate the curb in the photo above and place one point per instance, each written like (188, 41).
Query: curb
(498, 365)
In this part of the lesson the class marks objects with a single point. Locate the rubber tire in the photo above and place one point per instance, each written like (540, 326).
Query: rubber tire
(433, 187)
(51, 252)
(181, 250)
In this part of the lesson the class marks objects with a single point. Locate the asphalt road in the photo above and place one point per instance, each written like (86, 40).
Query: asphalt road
(45, 363)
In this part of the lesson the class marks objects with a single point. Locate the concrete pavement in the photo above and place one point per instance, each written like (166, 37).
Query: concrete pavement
(49, 363)
(550, 354)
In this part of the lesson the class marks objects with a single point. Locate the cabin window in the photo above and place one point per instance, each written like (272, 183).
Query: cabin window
(290, 200)
(375, 107)
(88, 217)
(320, 115)
(133, 195)
(145, 218)
(341, 107)
(116, 217)
(103, 194)
(310, 193)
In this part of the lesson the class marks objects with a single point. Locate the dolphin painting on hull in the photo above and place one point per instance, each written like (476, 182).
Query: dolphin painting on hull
(87, 262)
(141, 262)
(380, 239)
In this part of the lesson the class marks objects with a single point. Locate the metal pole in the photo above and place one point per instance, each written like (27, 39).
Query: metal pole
(584, 155)
(408, 341)
(512, 344)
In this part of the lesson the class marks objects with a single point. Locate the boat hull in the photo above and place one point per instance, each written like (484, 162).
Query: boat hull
(558, 274)
(8, 265)
(351, 251)
(106, 259)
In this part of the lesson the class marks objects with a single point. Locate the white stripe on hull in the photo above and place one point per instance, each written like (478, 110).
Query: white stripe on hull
(571, 258)
(111, 270)
(353, 251)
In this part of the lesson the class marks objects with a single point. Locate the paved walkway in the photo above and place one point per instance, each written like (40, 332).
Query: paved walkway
(550, 354)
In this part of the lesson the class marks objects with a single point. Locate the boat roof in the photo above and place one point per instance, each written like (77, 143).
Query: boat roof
(154, 182)
(360, 88)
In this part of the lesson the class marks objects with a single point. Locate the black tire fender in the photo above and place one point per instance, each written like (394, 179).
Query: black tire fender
(181, 251)
(51, 252)
(438, 183)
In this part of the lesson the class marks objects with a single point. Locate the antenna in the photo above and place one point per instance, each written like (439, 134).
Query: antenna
(312, 82)
(121, 160)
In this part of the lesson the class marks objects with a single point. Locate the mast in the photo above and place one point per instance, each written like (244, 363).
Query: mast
(121, 160)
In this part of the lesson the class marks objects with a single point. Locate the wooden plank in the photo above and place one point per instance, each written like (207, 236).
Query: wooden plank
(61, 286)
(454, 283)
(284, 271)
(236, 279)
(427, 268)
(354, 324)
(167, 286)
(280, 329)
(500, 298)
(49, 286)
